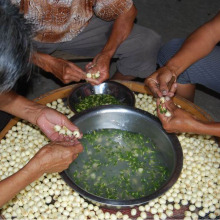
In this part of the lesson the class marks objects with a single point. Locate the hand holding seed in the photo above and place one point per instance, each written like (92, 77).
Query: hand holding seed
(162, 82)
(162, 108)
(93, 75)
(48, 118)
(66, 132)
(98, 69)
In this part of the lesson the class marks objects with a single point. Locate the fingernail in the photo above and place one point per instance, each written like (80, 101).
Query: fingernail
(164, 92)
(167, 98)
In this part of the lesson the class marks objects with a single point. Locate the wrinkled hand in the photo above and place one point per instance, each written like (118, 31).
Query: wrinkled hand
(100, 63)
(160, 82)
(56, 156)
(47, 118)
(180, 120)
(67, 71)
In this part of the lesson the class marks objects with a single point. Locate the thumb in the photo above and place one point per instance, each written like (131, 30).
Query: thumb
(75, 150)
(163, 88)
(68, 124)
(170, 106)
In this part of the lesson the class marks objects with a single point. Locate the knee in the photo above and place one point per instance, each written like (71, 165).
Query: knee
(168, 50)
(150, 41)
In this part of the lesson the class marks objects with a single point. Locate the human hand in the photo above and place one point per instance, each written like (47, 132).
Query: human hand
(55, 157)
(162, 82)
(100, 63)
(47, 118)
(180, 120)
(67, 71)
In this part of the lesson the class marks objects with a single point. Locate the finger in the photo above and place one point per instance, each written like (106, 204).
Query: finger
(171, 106)
(89, 66)
(76, 72)
(163, 88)
(74, 156)
(76, 149)
(57, 137)
(92, 81)
(172, 90)
(67, 123)
(153, 86)
(63, 143)
(173, 87)
(160, 115)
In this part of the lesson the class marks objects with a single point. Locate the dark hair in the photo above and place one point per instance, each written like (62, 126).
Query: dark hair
(15, 45)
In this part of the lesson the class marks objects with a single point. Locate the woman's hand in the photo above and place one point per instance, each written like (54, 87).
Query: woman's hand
(47, 118)
(99, 64)
(162, 82)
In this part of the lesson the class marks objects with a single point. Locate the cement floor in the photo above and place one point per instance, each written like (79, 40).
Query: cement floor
(171, 19)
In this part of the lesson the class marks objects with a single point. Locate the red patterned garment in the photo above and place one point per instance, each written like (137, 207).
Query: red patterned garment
(62, 20)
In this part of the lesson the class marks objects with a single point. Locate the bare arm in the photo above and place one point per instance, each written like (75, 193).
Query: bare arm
(19, 106)
(65, 71)
(54, 157)
(45, 118)
(120, 31)
(199, 44)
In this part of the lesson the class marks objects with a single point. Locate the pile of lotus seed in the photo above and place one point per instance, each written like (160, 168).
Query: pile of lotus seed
(197, 190)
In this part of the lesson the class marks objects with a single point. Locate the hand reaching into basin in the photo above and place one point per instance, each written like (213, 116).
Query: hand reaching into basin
(182, 121)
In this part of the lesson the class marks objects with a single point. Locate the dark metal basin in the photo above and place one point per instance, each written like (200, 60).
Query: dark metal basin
(135, 120)
(122, 93)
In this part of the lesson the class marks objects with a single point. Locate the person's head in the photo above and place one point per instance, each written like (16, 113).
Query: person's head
(15, 45)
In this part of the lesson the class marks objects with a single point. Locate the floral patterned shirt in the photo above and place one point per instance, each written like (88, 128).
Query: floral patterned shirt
(62, 20)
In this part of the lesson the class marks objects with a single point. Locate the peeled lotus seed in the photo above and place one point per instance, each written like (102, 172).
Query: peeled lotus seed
(76, 134)
(88, 75)
(168, 114)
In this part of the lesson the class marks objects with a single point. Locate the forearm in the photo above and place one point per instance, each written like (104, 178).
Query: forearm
(20, 107)
(199, 44)
(44, 61)
(12, 185)
(120, 31)
(210, 128)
